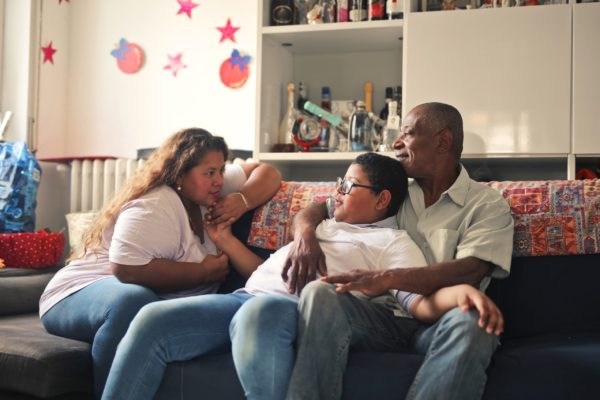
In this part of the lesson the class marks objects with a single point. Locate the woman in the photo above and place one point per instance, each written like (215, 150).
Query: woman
(149, 242)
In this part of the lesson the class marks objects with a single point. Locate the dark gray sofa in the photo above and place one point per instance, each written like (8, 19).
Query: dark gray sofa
(550, 348)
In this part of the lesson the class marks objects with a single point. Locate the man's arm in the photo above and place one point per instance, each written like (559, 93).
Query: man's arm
(305, 256)
(429, 309)
(425, 280)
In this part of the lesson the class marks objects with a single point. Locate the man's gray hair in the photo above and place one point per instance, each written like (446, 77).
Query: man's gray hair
(438, 116)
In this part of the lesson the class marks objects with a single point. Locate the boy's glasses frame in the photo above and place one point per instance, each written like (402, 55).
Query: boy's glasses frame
(345, 186)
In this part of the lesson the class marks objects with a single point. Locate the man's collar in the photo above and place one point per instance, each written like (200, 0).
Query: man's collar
(459, 189)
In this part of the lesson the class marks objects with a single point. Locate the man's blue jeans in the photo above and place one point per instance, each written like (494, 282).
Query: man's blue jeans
(457, 351)
(182, 329)
(98, 314)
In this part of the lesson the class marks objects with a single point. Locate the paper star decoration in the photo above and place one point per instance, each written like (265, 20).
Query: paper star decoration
(228, 31)
(175, 64)
(49, 53)
(186, 6)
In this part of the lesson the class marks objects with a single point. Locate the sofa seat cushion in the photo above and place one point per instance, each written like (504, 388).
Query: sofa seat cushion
(21, 289)
(551, 367)
(35, 362)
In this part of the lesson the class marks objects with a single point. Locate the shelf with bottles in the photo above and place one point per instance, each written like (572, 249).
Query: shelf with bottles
(452, 5)
(337, 38)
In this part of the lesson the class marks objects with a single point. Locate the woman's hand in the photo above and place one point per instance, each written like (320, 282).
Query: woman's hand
(227, 209)
(215, 268)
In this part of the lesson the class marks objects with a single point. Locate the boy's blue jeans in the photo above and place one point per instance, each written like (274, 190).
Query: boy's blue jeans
(181, 329)
(98, 314)
(457, 351)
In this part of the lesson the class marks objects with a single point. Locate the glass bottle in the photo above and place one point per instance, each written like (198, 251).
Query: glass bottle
(282, 12)
(368, 88)
(358, 10)
(360, 128)
(343, 8)
(301, 96)
(286, 127)
(394, 9)
(376, 10)
(326, 98)
(389, 94)
(327, 10)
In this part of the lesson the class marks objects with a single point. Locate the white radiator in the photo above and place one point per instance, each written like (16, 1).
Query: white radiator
(94, 182)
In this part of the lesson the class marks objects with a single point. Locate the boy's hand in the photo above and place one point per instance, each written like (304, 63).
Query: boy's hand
(371, 283)
(491, 318)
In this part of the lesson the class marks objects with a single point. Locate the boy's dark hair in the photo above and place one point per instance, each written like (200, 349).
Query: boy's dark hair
(385, 173)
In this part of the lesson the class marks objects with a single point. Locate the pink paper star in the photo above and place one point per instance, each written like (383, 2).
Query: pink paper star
(49, 53)
(175, 64)
(186, 6)
(228, 31)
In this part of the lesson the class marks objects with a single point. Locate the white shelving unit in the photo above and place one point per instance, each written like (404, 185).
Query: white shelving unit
(515, 74)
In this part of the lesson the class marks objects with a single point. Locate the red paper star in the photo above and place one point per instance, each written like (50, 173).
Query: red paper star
(175, 64)
(49, 53)
(186, 6)
(228, 31)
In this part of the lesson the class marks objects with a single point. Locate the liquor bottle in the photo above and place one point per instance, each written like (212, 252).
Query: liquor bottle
(358, 10)
(368, 96)
(394, 9)
(342, 10)
(360, 128)
(325, 98)
(376, 10)
(282, 12)
(398, 99)
(286, 127)
(301, 96)
(392, 128)
(327, 10)
(389, 93)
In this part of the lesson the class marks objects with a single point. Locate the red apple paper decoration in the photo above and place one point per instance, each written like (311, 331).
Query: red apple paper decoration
(130, 57)
(234, 71)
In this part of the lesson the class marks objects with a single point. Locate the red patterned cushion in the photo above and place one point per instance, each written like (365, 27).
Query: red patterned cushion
(31, 250)
(554, 217)
(270, 225)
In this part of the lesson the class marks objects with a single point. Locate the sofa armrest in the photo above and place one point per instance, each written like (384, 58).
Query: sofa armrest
(21, 289)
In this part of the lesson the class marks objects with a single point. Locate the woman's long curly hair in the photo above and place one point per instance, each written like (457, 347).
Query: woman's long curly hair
(180, 153)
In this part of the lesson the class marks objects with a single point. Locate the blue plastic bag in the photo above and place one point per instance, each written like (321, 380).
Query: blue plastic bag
(20, 175)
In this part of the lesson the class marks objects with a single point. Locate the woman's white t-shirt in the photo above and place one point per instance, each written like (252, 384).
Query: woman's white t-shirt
(156, 225)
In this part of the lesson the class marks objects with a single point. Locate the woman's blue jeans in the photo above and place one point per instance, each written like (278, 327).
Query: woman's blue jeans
(98, 314)
(182, 329)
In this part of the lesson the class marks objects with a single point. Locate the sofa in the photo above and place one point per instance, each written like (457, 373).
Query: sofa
(550, 348)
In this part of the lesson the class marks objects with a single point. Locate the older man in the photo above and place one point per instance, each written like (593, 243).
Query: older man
(463, 228)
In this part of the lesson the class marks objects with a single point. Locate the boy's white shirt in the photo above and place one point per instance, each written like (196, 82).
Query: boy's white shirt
(375, 247)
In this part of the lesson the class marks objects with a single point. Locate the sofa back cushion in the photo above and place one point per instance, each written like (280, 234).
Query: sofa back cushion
(549, 295)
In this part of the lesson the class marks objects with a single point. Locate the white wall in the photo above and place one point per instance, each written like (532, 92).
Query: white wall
(15, 73)
(107, 112)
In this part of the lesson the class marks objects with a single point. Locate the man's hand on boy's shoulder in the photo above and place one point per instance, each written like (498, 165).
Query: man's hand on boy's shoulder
(304, 260)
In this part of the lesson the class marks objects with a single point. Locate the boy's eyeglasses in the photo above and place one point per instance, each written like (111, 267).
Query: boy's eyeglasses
(345, 186)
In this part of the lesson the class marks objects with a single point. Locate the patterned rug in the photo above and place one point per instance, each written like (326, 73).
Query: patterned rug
(551, 217)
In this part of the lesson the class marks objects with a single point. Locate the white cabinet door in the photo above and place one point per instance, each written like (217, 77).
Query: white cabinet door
(586, 78)
(507, 70)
